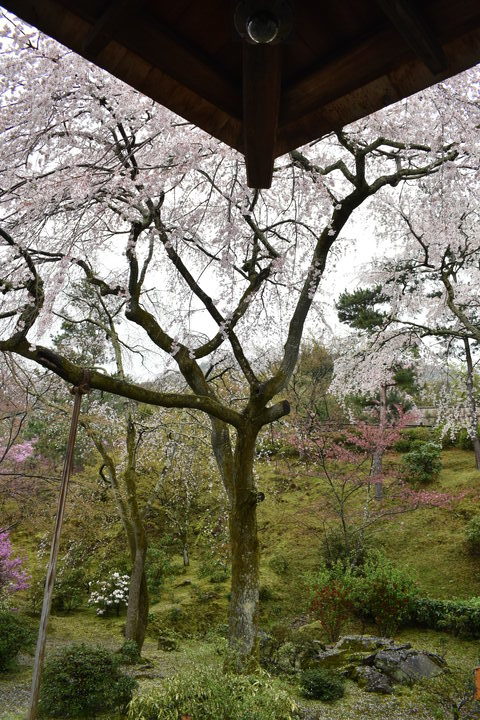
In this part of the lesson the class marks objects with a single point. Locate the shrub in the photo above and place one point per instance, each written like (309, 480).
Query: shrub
(459, 617)
(463, 440)
(422, 464)
(322, 684)
(472, 535)
(411, 436)
(349, 550)
(110, 594)
(158, 567)
(70, 589)
(129, 653)
(81, 681)
(266, 594)
(279, 564)
(383, 593)
(210, 695)
(16, 634)
(332, 605)
(12, 576)
(215, 569)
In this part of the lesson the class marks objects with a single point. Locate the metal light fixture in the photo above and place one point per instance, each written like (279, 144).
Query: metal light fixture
(262, 27)
(263, 22)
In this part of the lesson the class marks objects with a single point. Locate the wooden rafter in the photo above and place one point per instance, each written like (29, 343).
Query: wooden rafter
(374, 95)
(104, 27)
(416, 32)
(338, 64)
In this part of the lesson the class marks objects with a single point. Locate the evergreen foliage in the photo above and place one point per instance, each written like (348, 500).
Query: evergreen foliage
(15, 635)
(322, 684)
(81, 681)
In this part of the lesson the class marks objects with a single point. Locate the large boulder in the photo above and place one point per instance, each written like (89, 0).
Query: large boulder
(406, 666)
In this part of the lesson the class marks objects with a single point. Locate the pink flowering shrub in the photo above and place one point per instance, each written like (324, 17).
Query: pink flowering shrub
(12, 576)
(18, 453)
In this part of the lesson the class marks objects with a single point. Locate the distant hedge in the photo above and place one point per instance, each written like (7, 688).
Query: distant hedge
(459, 617)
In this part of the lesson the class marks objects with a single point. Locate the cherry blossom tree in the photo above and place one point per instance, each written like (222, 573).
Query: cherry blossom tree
(427, 290)
(344, 459)
(100, 182)
(359, 310)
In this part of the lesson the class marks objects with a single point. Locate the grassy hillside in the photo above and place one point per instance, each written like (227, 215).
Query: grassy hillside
(428, 542)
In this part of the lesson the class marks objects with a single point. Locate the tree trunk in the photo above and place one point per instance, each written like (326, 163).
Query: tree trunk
(472, 405)
(185, 555)
(138, 603)
(243, 646)
(377, 460)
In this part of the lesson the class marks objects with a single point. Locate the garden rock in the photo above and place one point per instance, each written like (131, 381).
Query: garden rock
(332, 658)
(363, 643)
(377, 663)
(406, 666)
(372, 680)
(167, 643)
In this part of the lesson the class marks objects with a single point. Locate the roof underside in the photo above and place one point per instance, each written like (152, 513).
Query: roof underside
(340, 62)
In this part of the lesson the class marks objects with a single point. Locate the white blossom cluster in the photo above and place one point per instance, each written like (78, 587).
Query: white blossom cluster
(109, 594)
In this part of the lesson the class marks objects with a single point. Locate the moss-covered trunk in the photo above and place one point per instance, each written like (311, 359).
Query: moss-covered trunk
(243, 613)
(138, 602)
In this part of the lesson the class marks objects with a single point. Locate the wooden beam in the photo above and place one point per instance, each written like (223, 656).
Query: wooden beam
(353, 67)
(261, 102)
(415, 31)
(171, 54)
(408, 78)
(102, 31)
(61, 21)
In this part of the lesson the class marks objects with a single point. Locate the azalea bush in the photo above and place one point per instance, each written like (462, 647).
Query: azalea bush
(423, 463)
(110, 594)
(12, 576)
(331, 601)
(322, 684)
(472, 535)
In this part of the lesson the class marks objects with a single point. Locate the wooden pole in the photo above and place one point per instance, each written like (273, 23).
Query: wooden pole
(477, 683)
(77, 391)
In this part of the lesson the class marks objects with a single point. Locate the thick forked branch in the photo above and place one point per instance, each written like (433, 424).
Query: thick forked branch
(73, 373)
(34, 286)
(342, 212)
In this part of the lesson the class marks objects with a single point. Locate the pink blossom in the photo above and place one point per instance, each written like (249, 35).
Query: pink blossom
(12, 576)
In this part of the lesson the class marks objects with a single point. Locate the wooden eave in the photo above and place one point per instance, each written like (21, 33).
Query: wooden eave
(341, 61)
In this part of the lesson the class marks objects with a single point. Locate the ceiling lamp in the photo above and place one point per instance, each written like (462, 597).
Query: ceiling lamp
(263, 22)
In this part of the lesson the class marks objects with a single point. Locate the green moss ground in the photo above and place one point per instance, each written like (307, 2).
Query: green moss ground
(427, 542)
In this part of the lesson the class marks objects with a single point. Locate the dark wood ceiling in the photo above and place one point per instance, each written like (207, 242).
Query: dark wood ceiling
(340, 62)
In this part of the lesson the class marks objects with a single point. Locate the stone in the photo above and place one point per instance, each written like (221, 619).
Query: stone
(420, 665)
(363, 643)
(362, 658)
(167, 643)
(331, 658)
(406, 666)
(372, 680)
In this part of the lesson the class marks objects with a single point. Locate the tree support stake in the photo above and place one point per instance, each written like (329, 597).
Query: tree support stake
(77, 391)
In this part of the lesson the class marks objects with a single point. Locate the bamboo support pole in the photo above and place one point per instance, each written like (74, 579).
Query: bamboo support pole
(77, 391)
